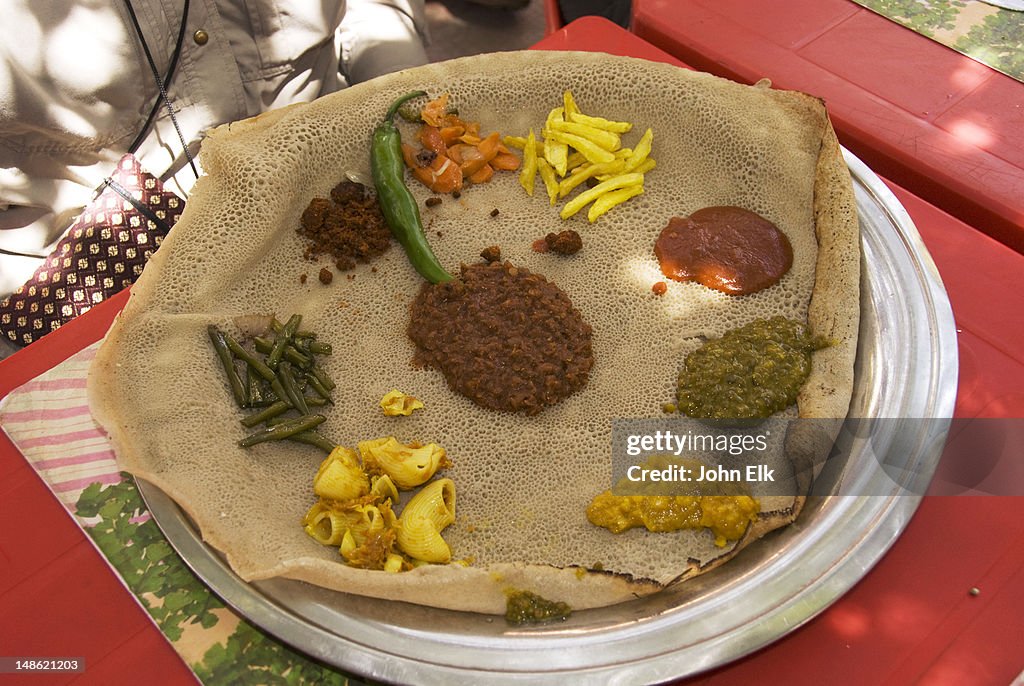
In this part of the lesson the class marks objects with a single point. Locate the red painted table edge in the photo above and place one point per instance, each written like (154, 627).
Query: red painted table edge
(889, 148)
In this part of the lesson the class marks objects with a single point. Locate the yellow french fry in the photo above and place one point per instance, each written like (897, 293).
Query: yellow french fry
(547, 175)
(611, 199)
(600, 123)
(592, 152)
(640, 151)
(581, 174)
(519, 143)
(603, 139)
(555, 152)
(583, 199)
(576, 159)
(572, 113)
(569, 105)
(529, 171)
(647, 166)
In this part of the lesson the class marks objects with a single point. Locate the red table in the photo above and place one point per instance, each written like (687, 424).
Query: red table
(945, 127)
(910, 619)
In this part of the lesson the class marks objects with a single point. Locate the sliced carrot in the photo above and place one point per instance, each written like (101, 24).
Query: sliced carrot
(463, 152)
(505, 161)
(489, 146)
(455, 153)
(434, 111)
(430, 137)
(450, 134)
(409, 155)
(482, 175)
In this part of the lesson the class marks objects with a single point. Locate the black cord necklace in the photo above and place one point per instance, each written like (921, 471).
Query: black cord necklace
(164, 100)
(162, 83)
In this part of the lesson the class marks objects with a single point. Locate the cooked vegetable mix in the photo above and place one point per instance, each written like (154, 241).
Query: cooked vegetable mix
(401, 212)
(287, 379)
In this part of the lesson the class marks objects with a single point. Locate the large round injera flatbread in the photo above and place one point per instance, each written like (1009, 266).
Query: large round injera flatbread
(523, 483)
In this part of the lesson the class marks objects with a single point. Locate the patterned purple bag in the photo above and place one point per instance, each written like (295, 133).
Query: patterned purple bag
(103, 252)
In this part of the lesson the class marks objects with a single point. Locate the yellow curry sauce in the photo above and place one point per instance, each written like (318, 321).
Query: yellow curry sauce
(726, 516)
(725, 509)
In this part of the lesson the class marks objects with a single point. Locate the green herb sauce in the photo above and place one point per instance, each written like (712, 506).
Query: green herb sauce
(523, 607)
(750, 372)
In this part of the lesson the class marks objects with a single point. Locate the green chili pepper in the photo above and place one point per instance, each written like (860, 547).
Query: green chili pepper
(397, 204)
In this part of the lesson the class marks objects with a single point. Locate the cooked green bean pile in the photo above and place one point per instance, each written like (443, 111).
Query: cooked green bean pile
(281, 379)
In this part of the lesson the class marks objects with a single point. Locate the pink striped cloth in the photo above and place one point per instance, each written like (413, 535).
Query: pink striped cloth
(48, 420)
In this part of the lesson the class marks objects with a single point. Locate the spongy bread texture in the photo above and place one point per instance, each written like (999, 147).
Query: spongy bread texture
(523, 483)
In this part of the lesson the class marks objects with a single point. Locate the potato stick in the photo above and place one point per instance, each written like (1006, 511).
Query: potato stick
(555, 152)
(569, 105)
(580, 201)
(604, 139)
(576, 159)
(647, 166)
(640, 151)
(547, 175)
(529, 170)
(600, 123)
(581, 174)
(592, 152)
(623, 153)
(519, 143)
(611, 199)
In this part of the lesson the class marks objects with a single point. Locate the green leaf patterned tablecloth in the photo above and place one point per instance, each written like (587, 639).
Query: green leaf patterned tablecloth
(991, 35)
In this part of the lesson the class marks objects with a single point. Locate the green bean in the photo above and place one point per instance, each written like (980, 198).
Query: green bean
(228, 362)
(321, 376)
(319, 388)
(283, 430)
(297, 357)
(256, 363)
(295, 397)
(278, 389)
(285, 337)
(314, 438)
(263, 344)
(320, 348)
(266, 414)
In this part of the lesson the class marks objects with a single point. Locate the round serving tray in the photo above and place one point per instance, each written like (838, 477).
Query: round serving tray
(906, 371)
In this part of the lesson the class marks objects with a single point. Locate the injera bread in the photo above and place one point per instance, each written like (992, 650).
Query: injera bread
(523, 483)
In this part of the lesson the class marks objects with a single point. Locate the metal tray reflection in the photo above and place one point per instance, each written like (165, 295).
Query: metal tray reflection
(906, 369)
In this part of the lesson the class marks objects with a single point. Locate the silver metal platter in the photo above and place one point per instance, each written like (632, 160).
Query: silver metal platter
(906, 370)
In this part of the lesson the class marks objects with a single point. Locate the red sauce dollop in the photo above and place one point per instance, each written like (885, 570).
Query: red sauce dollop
(730, 249)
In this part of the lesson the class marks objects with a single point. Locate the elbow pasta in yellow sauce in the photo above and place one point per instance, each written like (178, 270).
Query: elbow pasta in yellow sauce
(354, 511)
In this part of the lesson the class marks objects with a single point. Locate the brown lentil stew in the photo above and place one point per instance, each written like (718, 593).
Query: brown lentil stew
(349, 226)
(504, 337)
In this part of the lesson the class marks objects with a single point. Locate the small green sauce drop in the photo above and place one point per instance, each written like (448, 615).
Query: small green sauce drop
(749, 373)
(523, 607)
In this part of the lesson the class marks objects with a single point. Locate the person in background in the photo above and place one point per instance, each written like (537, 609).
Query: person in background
(81, 84)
